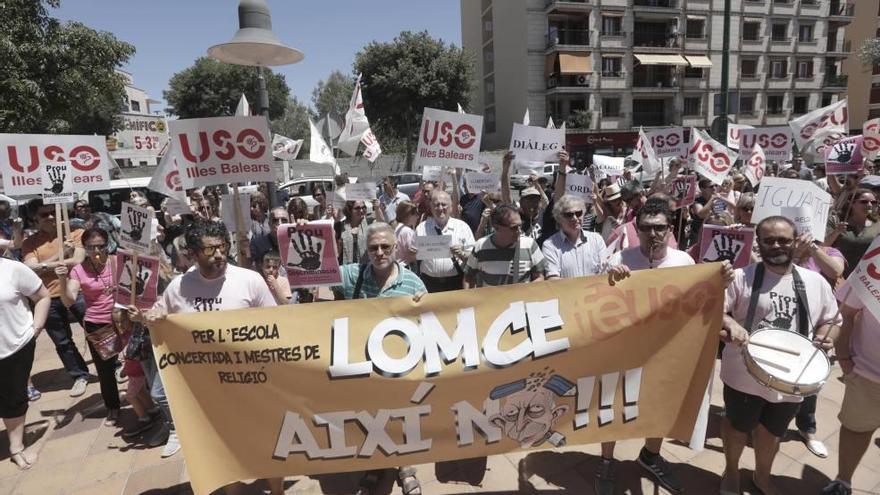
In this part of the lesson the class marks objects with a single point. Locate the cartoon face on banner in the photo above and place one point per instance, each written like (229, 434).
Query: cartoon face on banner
(144, 282)
(23, 155)
(309, 254)
(137, 224)
(684, 190)
(57, 183)
(531, 407)
(726, 244)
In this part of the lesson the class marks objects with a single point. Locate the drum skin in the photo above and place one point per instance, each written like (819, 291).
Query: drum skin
(801, 375)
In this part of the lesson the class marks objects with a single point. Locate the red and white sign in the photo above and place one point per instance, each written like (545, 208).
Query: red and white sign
(644, 153)
(221, 150)
(167, 179)
(285, 148)
(865, 279)
(726, 244)
(309, 254)
(834, 117)
(756, 165)
(684, 190)
(871, 143)
(775, 141)
(668, 142)
(449, 139)
(844, 156)
(710, 158)
(22, 157)
(734, 131)
(145, 282)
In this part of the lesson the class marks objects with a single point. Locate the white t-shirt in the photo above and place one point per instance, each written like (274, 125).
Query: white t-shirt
(16, 319)
(461, 234)
(238, 288)
(865, 339)
(635, 260)
(776, 308)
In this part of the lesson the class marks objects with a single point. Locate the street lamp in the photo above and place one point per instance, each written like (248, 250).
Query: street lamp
(256, 45)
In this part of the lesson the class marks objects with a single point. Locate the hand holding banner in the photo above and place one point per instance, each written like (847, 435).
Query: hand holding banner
(137, 228)
(478, 181)
(684, 190)
(608, 166)
(309, 254)
(57, 183)
(432, 246)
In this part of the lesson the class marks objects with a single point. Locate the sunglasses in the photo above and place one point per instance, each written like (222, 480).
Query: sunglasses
(867, 202)
(277, 220)
(782, 241)
(95, 247)
(572, 214)
(210, 250)
(646, 229)
(385, 248)
(360, 208)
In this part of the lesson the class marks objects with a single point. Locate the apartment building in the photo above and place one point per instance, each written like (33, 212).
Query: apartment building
(608, 67)
(144, 135)
(863, 81)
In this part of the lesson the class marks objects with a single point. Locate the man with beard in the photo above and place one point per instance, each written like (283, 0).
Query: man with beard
(772, 294)
(268, 241)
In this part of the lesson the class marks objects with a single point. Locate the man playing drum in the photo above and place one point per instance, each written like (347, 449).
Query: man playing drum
(773, 294)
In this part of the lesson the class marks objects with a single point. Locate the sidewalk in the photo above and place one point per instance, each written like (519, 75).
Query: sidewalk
(81, 456)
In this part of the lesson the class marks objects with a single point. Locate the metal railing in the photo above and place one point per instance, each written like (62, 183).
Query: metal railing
(550, 3)
(836, 81)
(568, 81)
(578, 37)
(672, 4)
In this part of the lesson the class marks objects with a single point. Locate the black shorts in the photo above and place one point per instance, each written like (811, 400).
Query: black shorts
(746, 411)
(15, 370)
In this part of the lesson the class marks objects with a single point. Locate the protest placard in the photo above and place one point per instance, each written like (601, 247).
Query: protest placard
(23, 157)
(871, 143)
(734, 131)
(244, 202)
(437, 173)
(449, 139)
(844, 156)
(803, 219)
(537, 144)
(755, 166)
(710, 158)
(432, 246)
(361, 191)
(776, 194)
(668, 142)
(222, 150)
(338, 394)
(137, 228)
(580, 185)
(775, 141)
(309, 254)
(57, 183)
(726, 244)
(608, 166)
(865, 279)
(479, 181)
(285, 148)
(144, 279)
(684, 190)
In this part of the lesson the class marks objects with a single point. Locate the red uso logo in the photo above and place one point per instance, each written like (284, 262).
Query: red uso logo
(661, 141)
(83, 157)
(871, 142)
(823, 121)
(778, 140)
(248, 142)
(464, 135)
(757, 165)
(872, 268)
(172, 181)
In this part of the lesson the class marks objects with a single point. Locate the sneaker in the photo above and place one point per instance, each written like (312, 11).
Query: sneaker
(172, 446)
(142, 426)
(160, 437)
(604, 482)
(79, 387)
(112, 417)
(33, 394)
(121, 377)
(661, 472)
(837, 487)
(815, 446)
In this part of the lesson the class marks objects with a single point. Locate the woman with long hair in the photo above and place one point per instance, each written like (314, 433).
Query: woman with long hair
(407, 215)
(856, 228)
(351, 233)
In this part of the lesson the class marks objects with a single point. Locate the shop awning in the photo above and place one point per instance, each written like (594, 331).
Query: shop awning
(699, 61)
(570, 63)
(653, 59)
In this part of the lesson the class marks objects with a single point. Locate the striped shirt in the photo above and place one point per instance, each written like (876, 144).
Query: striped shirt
(492, 265)
(407, 283)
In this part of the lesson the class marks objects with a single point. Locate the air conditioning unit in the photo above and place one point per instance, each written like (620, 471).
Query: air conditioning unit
(582, 80)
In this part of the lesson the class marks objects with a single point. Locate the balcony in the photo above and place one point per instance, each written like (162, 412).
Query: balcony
(835, 81)
(570, 37)
(841, 12)
(662, 4)
(654, 81)
(645, 35)
(648, 118)
(835, 49)
(567, 6)
(569, 81)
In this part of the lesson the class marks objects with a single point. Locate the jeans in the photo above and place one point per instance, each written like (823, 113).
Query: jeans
(106, 370)
(806, 416)
(157, 390)
(59, 331)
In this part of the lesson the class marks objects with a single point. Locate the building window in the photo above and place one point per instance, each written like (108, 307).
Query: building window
(800, 104)
(747, 105)
(780, 31)
(611, 107)
(782, 2)
(805, 33)
(611, 66)
(826, 99)
(774, 104)
(751, 31)
(748, 68)
(692, 105)
(135, 106)
(874, 113)
(778, 69)
(696, 29)
(693, 72)
(805, 69)
(612, 25)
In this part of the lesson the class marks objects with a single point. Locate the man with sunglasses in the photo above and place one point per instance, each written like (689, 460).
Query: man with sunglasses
(268, 241)
(40, 253)
(573, 251)
(771, 294)
(505, 257)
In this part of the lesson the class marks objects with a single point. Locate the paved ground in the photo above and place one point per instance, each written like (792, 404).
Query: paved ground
(78, 455)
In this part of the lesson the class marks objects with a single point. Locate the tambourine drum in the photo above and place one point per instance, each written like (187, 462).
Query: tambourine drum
(801, 371)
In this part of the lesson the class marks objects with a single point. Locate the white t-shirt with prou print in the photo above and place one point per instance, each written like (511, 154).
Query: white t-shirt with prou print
(238, 288)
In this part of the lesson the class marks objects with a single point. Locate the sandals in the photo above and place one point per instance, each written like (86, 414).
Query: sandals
(22, 460)
(406, 479)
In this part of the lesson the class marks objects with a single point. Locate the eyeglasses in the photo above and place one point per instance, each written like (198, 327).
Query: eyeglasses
(512, 227)
(747, 208)
(95, 247)
(385, 248)
(782, 241)
(647, 229)
(359, 208)
(571, 214)
(277, 220)
(210, 250)
(867, 202)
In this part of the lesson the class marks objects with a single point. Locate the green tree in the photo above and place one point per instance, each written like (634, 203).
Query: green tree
(869, 52)
(58, 77)
(579, 119)
(333, 95)
(210, 88)
(294, 123)
(402, 77)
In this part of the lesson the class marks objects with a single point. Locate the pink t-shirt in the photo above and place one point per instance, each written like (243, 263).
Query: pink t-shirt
(238, 288)
(97, 291)
(864, 342)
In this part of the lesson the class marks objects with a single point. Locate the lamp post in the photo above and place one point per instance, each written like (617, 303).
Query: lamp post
(256, 45)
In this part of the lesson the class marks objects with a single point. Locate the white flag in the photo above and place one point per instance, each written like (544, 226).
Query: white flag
(319, 152)
(372, 150)
(460, 110)
(756, 165)
(871, 143)
(285, 148)
(356, 123)
(834, 117)
(526, 119)
(644, 154)
(167, 179)
(710, 158)
(243, 109)
(562, 126)
(550, 124)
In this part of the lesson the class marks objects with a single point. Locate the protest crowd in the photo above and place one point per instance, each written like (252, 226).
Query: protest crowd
(80, 272)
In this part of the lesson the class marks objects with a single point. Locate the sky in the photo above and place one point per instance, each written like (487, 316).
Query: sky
(170, 35)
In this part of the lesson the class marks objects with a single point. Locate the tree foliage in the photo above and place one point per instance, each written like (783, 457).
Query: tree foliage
(210, 88)
(58, 77)
(869, 52)
(333, 95)
(402, 77)
(579, 119)
(294, 123)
